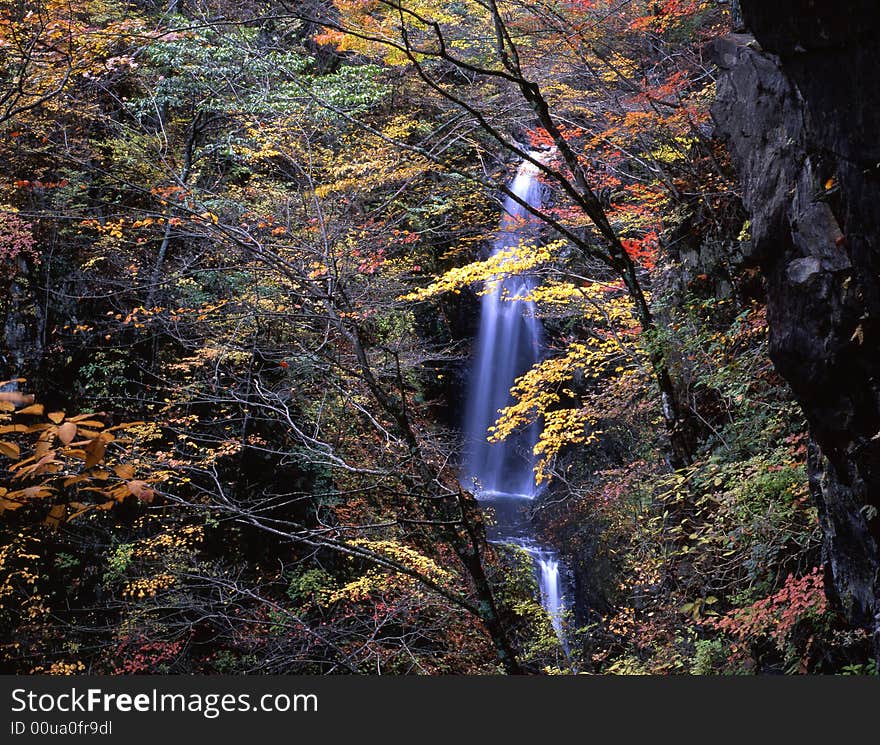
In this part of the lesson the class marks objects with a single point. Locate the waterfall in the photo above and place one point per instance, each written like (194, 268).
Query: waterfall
(509, 342)
(551, 595)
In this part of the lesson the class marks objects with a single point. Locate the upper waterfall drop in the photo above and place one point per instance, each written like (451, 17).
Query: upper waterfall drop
(509, 343)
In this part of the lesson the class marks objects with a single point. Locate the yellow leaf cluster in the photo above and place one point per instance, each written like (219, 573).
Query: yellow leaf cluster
(380, 580)
(520, 259)
(546, 394)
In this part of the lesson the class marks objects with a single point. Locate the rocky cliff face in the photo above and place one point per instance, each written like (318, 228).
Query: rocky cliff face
(799, 106)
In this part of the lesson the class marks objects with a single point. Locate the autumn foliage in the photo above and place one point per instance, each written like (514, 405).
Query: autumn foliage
(241, 251)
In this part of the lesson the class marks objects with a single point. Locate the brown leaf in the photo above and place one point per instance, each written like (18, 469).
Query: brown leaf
(20, 466)
(13, 428)
(6, 504)
(141, 490)
(10, 450)
(124, 471)
(82, 417)
(36, 492)
(87, 422)
(34, 409)
(56, 417)
(66, 432)
(120, 493)
(80, 509)
(41, 448)
(42, 465)
(56, 515)
(95, 452)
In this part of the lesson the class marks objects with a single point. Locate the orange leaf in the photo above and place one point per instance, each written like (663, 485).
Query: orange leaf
(10, 450)
(13, 428)
(87, 422)
(6, 504)
(33, 409)
(56, 417)
(124, 471)
(80, 417)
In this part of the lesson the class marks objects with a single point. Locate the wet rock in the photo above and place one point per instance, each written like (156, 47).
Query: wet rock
(799, 108)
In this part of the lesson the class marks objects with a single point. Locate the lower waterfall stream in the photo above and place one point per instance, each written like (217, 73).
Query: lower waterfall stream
(509, 342)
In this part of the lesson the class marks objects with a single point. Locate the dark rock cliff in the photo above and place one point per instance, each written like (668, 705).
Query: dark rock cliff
(799, 107)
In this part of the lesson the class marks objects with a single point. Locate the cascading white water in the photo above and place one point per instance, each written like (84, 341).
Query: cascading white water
(509, 343)
(550, 596)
